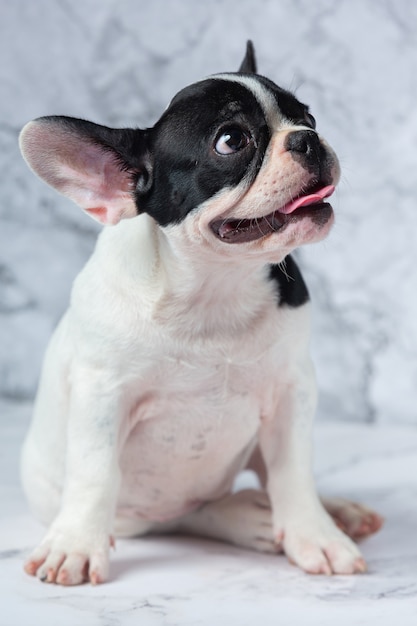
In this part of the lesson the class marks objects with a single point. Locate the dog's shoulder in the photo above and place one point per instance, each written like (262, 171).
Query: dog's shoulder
(290, 286)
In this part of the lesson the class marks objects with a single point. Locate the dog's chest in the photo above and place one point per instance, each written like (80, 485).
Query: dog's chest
(194, 429)
(195, 389)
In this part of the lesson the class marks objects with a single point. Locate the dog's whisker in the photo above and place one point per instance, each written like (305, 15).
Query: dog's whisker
(271, 226)
(283, 267)
(258, 223)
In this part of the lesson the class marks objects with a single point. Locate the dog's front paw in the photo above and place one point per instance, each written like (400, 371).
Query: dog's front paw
(67, 559)
(319, 547)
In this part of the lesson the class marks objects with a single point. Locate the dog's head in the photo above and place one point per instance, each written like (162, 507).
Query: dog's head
(234, 165)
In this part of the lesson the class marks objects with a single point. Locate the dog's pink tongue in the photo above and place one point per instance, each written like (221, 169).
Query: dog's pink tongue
(312, 198)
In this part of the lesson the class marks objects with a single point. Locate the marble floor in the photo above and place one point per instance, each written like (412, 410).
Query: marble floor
(178, 581)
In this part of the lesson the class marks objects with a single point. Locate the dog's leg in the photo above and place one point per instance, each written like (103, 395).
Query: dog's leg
(308, 534)
(243, 518)
(77, 543)
(355, 519)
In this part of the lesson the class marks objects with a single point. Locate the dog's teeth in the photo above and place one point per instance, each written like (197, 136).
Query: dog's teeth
(225, 229)
(233, 226)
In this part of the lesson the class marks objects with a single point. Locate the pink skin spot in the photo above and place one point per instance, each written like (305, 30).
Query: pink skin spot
(99, 212)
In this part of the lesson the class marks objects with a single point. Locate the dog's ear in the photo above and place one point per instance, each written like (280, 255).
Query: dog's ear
(97, 167)
(248, 65)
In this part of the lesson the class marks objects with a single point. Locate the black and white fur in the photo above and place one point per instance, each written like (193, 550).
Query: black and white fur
(183, 357)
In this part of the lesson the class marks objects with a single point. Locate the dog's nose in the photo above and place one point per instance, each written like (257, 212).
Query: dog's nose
(303, 142)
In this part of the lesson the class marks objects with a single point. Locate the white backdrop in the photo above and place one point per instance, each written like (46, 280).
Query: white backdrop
(118, 62)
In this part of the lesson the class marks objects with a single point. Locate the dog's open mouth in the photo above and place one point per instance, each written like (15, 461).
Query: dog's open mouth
(244, 230)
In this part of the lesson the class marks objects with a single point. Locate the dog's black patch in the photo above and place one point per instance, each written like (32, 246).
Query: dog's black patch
(187, 170)
(291, 288)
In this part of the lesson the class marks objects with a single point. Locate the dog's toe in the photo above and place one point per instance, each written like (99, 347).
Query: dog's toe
(318, 546)
(333, 558)
(71, 564)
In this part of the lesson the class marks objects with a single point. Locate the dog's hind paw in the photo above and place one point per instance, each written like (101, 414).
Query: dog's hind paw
(68, 562)
(356, 520)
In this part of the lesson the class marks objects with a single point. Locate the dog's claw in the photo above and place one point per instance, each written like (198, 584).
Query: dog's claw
(71, 565)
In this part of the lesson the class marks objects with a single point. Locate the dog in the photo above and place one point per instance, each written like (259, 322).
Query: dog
(183, 358)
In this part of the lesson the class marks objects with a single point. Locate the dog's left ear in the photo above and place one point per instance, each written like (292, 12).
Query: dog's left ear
(248, 65)
(101, 169)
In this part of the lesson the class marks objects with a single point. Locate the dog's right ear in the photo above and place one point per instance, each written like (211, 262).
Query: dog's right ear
(99, 168)
(248, 65)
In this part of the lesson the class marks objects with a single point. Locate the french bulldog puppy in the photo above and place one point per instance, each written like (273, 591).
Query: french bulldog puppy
(183, 357)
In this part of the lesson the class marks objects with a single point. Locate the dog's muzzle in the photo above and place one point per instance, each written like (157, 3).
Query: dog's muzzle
(245, 230)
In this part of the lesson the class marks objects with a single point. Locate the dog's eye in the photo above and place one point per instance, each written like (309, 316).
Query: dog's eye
(231, 140)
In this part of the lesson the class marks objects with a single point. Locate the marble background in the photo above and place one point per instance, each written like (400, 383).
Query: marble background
(118, 62)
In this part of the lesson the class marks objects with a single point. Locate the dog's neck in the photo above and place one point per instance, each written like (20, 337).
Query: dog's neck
(210, 292)
(204, 293)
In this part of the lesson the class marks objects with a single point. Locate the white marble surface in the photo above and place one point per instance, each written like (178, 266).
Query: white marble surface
(179, 581)
(120, 61)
